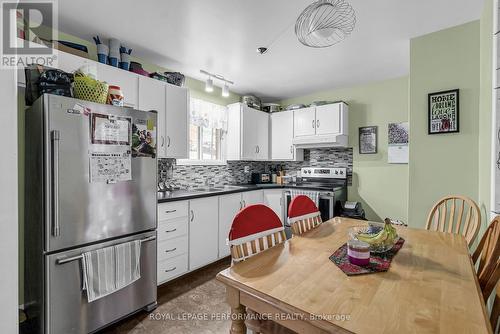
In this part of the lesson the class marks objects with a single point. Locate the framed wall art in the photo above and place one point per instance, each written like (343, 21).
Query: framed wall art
(368, 140)
(444, 112)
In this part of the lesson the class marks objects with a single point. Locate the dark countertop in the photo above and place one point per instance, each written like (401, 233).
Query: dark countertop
(181, 195)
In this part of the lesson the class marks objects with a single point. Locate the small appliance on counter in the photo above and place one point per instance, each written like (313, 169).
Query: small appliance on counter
(258, 178)
(351, 210)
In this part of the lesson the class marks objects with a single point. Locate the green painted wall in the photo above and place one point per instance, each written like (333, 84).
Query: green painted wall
(443, 164)
(485, 109)
(382, 188)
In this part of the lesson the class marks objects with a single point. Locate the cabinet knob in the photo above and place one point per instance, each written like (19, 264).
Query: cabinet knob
(192, 215)
(313, 124)
(317, 123)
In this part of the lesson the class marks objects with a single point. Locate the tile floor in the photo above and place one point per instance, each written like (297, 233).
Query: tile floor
(197, 294)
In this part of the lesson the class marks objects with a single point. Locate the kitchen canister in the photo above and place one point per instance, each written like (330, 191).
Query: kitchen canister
(102, 53)
(358, 252)
(115, 96)
(125, 61)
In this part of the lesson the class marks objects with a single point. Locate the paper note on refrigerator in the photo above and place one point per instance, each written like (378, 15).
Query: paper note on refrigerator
(110, 167)
(110, 129)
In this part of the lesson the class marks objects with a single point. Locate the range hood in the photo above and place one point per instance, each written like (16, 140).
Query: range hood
(320, 141)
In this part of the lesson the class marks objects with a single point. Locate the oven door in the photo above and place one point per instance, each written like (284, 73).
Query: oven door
(326, 206)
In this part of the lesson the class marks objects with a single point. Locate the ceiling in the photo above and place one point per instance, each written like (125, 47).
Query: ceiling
(221, 36)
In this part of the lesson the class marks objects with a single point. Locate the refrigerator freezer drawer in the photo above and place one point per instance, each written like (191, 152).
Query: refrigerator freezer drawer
(67, 308)
(172, 247)
(171, 268)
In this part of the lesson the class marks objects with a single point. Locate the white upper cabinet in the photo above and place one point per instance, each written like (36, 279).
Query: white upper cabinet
(282, 137)
(248, 133)
(304, 122)
(127, 81)
(152, 97)
(329, 119)
(177, 116)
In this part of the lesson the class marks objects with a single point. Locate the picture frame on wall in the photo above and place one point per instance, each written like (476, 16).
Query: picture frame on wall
(368, 139)
(443, 112)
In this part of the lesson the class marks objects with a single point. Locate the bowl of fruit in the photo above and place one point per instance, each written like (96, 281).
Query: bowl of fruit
(380, 236)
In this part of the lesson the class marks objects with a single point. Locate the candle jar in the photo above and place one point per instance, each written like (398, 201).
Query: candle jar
(358, 252)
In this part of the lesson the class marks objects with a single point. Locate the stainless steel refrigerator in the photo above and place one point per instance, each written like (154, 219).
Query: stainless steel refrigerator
(90, 182)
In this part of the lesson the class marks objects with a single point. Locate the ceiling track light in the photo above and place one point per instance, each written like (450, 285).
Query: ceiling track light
(209, 84)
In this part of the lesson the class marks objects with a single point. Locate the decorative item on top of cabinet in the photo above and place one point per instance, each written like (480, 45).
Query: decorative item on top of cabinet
(248, 133)
(128, 82)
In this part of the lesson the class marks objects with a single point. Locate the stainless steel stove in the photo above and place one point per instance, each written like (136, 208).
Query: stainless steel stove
(327, 185)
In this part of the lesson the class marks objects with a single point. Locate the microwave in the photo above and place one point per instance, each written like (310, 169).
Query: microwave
(258, 178)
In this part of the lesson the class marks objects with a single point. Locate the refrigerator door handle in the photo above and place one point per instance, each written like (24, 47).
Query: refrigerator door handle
(55, 137)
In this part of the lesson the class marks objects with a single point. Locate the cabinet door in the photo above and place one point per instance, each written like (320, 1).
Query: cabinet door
(249, 133)
(177, 116)
(127, 81)
(152, 97)
(328, 119)
(273, 198)
(203, 231)
(262, 119)
(282, 136)
(304, 122)
(252, 197)
(229, 206)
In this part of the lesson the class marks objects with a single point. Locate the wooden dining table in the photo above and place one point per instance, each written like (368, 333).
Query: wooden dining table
(430, 287)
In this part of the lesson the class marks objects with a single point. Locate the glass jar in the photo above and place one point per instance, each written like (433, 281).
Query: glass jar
(358, 252)
(115, 96)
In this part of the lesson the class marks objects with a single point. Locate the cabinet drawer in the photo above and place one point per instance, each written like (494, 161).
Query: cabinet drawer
(172, 247)
(169, 229)
(171, 268)
(172, 210)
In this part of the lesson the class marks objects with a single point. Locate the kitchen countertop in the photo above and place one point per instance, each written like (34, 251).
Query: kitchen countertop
(180, 195)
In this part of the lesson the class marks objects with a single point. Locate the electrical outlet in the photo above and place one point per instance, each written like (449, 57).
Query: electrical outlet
(246, 169)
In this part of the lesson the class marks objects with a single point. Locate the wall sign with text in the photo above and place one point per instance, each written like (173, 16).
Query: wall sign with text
(444, 112)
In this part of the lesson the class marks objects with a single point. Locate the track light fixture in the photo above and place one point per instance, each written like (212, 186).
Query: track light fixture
(209, 84)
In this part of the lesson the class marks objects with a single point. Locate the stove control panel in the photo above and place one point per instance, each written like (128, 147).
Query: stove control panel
(318, 172)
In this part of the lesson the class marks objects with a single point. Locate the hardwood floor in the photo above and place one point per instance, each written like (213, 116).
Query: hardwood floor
(197, 295)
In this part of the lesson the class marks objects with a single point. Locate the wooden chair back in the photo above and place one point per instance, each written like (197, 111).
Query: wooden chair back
(456, 214)
(495, 311)
(488, 255)
(254, 229)
(303, 215)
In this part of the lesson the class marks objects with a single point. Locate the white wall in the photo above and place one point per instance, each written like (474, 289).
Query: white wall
(8, 204)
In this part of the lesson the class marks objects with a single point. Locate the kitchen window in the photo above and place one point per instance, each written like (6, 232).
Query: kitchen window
(207, 127)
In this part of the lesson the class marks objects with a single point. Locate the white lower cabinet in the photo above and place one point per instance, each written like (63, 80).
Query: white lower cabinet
(252, 197)
(194, 233)
(273, 198)
(172, 240)
(203, 231)
(229, 206)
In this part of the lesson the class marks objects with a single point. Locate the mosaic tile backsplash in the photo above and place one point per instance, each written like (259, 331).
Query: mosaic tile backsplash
(233, 173)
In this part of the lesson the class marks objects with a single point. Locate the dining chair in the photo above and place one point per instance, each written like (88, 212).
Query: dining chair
(488, 255)
(447, 215)
(255, 229)
(495, 311)
(303, 215)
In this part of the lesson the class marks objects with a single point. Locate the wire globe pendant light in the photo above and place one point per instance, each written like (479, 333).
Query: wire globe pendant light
(325, 23)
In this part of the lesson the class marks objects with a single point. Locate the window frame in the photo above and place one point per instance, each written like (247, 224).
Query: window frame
(202, 162)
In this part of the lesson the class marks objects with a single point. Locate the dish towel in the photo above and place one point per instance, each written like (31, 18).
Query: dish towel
(110, 269)
(313, 195)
